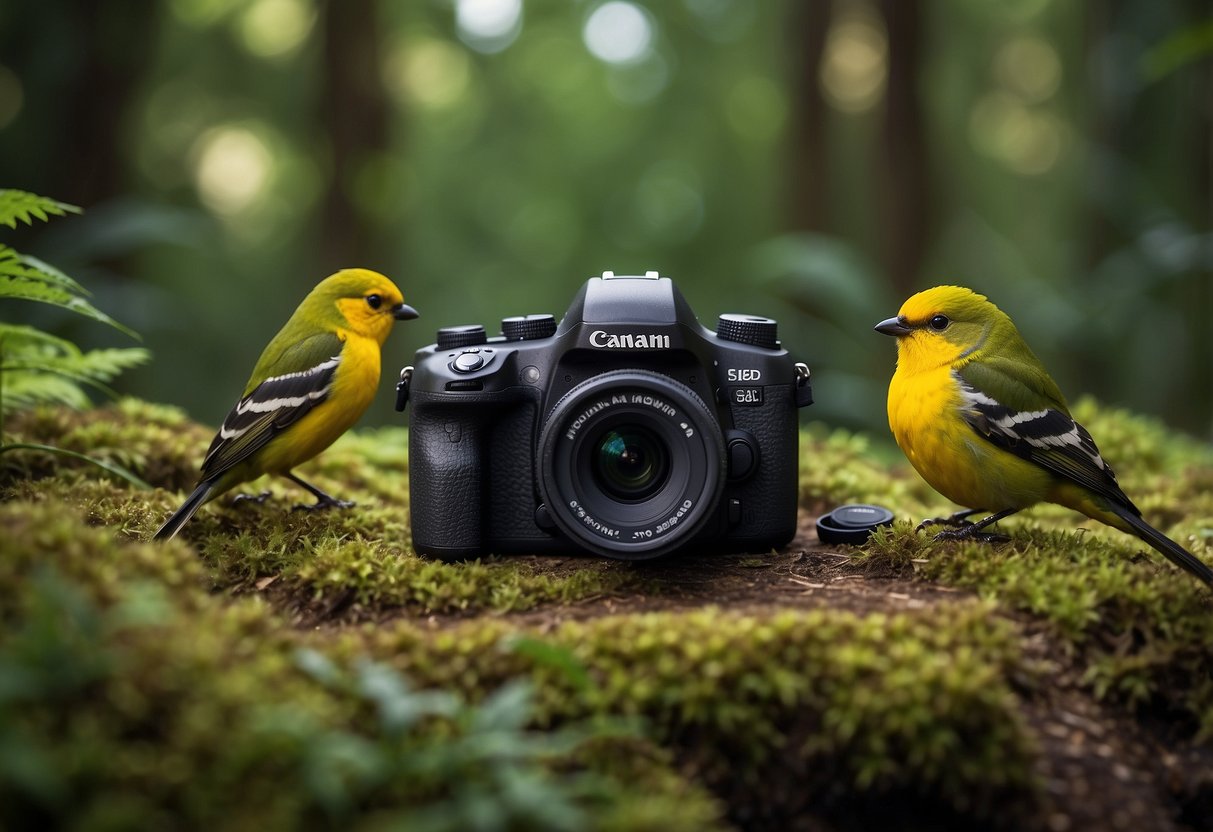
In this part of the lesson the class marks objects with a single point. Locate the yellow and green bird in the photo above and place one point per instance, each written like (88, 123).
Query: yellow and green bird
(312, 383)
(985, 425)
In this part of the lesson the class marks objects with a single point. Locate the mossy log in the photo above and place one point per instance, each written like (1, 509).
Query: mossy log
(278, 669)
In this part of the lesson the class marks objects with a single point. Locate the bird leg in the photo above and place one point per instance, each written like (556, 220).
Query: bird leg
(957, 519)
(973, 531)
(259, 499)
(323, 500)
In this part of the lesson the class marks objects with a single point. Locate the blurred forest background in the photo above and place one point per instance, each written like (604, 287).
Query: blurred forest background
(812, 161)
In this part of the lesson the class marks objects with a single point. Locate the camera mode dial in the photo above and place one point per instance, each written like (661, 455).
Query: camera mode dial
(528, 327)
(748, 329)
(454, 337)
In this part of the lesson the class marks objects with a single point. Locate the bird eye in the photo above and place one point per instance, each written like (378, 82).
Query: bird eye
(939, 323)
(374, 301)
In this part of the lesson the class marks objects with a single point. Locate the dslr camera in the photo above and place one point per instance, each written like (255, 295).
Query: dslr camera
(627, 430)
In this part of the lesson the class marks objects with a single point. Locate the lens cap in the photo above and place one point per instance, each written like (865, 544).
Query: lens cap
(852, 524)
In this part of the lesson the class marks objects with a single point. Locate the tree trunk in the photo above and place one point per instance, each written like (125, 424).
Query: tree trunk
(906, 210)
(807, 183)
(354, 117)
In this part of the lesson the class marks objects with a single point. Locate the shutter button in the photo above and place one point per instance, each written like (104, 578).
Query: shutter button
(468, 362)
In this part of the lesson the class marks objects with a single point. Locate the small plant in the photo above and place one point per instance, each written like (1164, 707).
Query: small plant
(435, 761)
(37, 367)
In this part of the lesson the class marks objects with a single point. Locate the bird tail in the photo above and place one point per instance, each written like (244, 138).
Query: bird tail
(1175, 553)
(182, 515)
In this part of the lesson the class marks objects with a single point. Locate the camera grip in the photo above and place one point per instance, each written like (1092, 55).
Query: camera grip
(771, 493)
(445, 478)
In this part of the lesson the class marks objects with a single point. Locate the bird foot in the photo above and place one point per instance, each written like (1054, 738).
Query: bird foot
(259, 499)
(324, 504)
(969, 531)
(957, 519)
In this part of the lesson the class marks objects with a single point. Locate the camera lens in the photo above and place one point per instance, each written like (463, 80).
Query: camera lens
(631, 464)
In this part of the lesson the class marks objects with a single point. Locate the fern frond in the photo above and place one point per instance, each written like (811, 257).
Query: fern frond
(40, 368)
(19, 266)
(25, 390)
(26, 288)
(91, 367)
(42, 270)
(34, 380)
(36, 367)
(24, 207)
(17, 339)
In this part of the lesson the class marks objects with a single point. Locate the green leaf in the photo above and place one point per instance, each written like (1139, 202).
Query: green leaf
(45, 271)
(25, 288)
(1184, 47)
(23, 206)
(35, 377)
(400, 708)
(16, 265)
(24, 390)
(19, 339)
(318, 666)
(93, 366)
(36, 367)
(545, 653)
(42, 368)
(509, 708)
(30, 378)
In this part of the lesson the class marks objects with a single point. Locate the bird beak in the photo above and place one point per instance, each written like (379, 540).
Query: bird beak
(893, 326)
(404, 312)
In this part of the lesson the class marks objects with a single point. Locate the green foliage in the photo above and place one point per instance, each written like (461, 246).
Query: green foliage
(39, 367)
(379, 576)
(894, 550)
(1142, 627)
(834, 296)
(838, 466)
(154, 441)
(133, 698)
(35, 366)
(884, 704)
(22, 206)
(480, 767)
(384, 665)
(1183, 47)
(361, 555)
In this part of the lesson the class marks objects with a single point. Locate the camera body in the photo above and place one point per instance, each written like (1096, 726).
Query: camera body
(627, 430)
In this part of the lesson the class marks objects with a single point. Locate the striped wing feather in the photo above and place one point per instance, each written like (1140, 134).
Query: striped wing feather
(1042, 432)
(275, 404)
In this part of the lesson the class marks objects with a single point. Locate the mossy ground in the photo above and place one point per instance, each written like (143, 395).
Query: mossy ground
(262, 670)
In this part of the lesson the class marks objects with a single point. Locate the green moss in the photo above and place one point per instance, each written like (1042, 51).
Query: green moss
(155, 442)
(381, 576)
(319, 555)
(839, 467)
(144, 669)
(133, 698)
(916, 702)
(49, 533)
(1141, 627)
(893, 550)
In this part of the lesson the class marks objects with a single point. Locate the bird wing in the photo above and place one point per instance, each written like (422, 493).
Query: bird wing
(300, 379)
(1019, 414)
